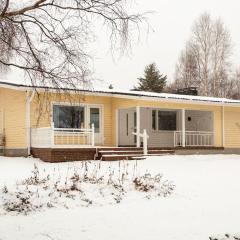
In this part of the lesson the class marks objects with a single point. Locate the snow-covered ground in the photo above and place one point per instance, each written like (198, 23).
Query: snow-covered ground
(205, 203)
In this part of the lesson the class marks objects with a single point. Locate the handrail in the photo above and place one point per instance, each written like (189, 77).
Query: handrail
(194, 132)
(1, 139)
(145, 137)
(73, 129)
(194, 138)
(50, 136)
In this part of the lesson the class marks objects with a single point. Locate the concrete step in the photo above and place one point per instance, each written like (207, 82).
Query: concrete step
(118, 157)
(128, 155)
(122, 152)
(130, 148)
(140, 151)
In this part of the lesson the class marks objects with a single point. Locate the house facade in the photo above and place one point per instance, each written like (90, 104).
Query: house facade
(75, 123)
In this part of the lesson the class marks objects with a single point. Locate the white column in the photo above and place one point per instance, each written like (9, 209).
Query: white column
(52, 133)
(117, 127)
(93, 135)
(29, 99)
(183, 128)
(138, 125)
(145, 142)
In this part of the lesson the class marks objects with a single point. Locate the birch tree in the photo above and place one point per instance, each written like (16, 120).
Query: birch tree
(186, 69)
(208, 51)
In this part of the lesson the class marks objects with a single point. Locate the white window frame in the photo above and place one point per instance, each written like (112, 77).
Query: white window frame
(87, 107)
(156, 119)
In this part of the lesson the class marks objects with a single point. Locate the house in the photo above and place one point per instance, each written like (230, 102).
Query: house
(76, 124)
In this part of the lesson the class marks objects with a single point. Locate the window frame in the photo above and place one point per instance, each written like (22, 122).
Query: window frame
(156, 119)
(86, 113)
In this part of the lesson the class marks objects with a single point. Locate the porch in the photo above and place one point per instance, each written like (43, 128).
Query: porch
(166, 128)
(77, 133)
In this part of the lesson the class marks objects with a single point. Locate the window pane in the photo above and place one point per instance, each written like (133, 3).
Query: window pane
(154, 119)
(68, 116)
(167, 120)
(95, 118)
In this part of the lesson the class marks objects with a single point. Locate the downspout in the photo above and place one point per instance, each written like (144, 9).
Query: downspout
(29, 99)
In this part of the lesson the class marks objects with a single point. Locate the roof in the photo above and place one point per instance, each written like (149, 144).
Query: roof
(129, 94)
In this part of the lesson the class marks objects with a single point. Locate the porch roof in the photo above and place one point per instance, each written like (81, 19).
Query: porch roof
(126, 94)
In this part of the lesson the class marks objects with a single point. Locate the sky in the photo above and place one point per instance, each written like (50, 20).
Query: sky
(170, 27)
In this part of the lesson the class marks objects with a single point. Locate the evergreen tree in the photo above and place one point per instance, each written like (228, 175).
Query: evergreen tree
(152, 81)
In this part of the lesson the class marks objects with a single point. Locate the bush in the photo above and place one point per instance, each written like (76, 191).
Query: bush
(85, 186)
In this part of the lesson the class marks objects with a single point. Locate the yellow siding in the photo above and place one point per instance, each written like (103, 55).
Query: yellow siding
(72, 140)
(232, 127)
(12, 104)
(44, 118)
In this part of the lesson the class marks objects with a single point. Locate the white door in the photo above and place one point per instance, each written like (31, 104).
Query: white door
(95, 117)
(127, 125)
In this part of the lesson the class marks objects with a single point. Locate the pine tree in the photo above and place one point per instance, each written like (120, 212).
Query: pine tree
(152, 81)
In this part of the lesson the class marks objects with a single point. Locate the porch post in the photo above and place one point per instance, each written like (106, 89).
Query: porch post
(52, 135)
(117, 127)
(93, 135)
(138, 125)
(183, 128)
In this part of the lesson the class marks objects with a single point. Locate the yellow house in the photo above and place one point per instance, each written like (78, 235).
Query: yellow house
(75, 124)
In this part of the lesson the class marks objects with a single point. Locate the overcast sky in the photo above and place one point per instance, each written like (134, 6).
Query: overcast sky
(171, 26)
(172, 23)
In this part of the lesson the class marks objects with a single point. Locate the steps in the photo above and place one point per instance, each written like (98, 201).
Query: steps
(129, 153)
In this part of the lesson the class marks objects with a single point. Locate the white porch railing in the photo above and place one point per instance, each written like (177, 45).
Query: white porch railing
(62, 137)
(194, 138)
(1, 140)
(145, 137)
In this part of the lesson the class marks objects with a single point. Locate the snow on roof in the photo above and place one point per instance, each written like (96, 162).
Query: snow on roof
(169, 96)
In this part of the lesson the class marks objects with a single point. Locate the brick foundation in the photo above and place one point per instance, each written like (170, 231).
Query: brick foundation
(64, 155)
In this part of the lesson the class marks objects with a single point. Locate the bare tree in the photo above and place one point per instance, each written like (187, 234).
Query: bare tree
(234, 89)
(186, 69)
(208, 53)
(221, 52)
(47, 39)
(201, 44)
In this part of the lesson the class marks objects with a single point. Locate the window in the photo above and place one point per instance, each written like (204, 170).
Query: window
(167, 120)
(68, 116)
(164, 120)
(95, 118)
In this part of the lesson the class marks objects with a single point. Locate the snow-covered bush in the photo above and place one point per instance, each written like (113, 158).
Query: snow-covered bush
(87, 185)
(149, 183)
(227, 236)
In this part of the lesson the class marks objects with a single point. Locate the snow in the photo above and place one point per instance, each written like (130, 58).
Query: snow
(126, 92)
(205, 203)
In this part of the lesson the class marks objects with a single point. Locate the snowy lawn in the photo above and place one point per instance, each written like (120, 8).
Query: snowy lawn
(206, 202)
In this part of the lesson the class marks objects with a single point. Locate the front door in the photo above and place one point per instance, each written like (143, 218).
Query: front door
(95, 117)
(127, 125)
